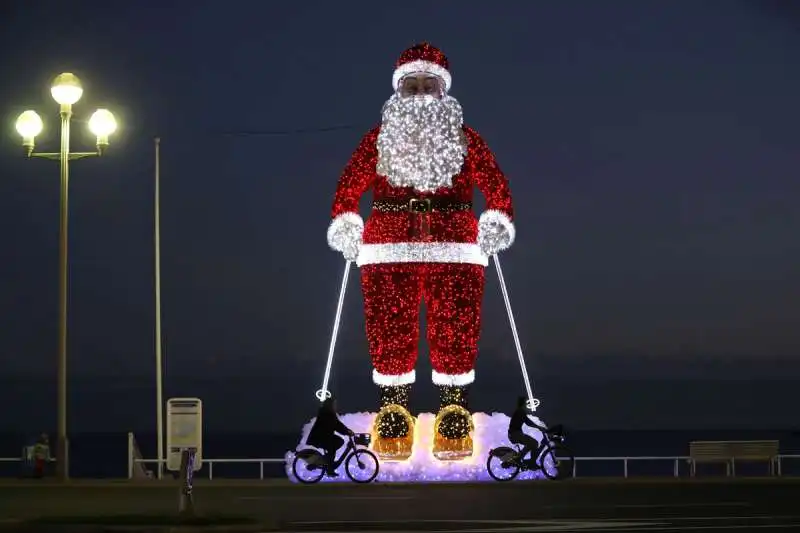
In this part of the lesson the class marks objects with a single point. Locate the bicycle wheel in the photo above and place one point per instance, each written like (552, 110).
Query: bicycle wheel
(362, 466)
(308, 466)
(557, 461)
(502, 464)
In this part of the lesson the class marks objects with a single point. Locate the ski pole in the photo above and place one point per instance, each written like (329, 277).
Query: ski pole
(323, 393)
(533, 403)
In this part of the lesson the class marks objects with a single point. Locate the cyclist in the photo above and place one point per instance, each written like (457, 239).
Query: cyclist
(323, 433)
(516, 435)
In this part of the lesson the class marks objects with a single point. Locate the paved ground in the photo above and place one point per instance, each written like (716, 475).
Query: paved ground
(574, 505)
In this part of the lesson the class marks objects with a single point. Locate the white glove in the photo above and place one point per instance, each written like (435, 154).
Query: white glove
(344, 234)
(350, 251)
(495, 232)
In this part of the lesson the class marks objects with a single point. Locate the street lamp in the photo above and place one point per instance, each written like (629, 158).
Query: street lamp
(66, 91)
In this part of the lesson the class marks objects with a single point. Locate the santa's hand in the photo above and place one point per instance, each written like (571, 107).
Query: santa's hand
(495, 232)
(350, 252)
(344, 234)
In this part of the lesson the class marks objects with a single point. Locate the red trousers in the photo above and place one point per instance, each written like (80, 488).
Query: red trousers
(393, 294)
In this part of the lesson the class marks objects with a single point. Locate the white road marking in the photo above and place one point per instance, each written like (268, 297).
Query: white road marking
(542, 526)
(719, 518)
(680, 505)
(599, 526)
(326, 498)
(647, 506)
(546, 526)
(725, 528)
(521, 525)
(563, 526)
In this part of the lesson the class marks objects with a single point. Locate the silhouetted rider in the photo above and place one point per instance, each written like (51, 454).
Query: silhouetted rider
(323, 433)
(515, 433)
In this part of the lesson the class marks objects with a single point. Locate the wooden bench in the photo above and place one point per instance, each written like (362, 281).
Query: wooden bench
(730, 451)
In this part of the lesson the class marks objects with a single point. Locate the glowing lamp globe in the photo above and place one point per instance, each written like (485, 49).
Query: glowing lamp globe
(66, 89)
(102, 124)
(29, 125)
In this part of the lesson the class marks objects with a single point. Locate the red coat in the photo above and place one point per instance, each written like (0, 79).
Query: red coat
(388, 237)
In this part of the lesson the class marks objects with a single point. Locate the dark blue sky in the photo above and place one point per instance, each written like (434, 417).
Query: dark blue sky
(652, 149)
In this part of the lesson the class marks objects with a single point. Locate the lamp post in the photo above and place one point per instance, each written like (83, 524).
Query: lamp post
(66, 91)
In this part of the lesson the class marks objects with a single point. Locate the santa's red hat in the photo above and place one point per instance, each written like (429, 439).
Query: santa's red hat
(422, 57)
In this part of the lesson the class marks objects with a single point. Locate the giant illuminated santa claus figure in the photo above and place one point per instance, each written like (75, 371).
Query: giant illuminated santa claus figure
(422, 242)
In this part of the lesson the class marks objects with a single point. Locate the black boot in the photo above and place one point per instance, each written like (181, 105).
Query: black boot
(394, 425)
(454, 425)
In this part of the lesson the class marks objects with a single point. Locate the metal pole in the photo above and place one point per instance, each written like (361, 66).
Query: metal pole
(533, 403)
(159, 360)
(185, 497)
(62, 451)
(324, 393)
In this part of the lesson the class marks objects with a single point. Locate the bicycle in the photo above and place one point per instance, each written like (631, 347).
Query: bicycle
(356, 459)
(551, 445)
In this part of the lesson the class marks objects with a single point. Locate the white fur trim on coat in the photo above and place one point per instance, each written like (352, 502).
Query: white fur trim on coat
(421, 252)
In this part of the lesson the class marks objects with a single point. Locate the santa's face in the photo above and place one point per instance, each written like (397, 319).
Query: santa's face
(421, 84)
(421, 143)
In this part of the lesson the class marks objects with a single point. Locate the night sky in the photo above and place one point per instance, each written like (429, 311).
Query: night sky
(652, 150)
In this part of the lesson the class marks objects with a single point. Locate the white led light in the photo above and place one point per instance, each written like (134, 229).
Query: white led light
(420, 65)
(421, 252)
(344, 234)
(496, 232)
(421, 143)
(387, 380)
(453, 380)
(491, 431)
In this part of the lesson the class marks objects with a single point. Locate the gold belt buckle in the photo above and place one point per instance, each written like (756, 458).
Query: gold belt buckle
(419, 205)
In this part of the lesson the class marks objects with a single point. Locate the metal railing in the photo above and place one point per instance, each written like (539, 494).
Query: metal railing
(212, 462)
(626, 462)
(675, 460)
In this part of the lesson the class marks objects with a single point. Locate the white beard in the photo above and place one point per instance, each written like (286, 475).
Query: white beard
(421, 143)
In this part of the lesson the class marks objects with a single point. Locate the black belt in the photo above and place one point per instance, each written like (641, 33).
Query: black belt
(420, 205)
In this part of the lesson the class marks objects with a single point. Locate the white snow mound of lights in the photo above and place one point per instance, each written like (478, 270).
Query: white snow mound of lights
(491, 431)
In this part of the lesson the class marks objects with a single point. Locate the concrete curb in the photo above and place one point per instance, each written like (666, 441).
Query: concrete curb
(23, 526)
(77, 528)
(284, 483)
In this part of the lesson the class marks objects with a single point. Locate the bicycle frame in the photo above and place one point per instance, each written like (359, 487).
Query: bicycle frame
(551, 444)
(318, 459)
(528, 464)
(548, 437)
(355, 455)
(351, 446)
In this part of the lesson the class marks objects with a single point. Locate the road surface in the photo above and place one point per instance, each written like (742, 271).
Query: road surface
(573, 505)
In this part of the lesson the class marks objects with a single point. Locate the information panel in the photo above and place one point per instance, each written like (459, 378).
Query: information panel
(184, 430)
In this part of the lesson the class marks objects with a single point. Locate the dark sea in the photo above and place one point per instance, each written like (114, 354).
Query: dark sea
(104, 455)
(237, 409)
